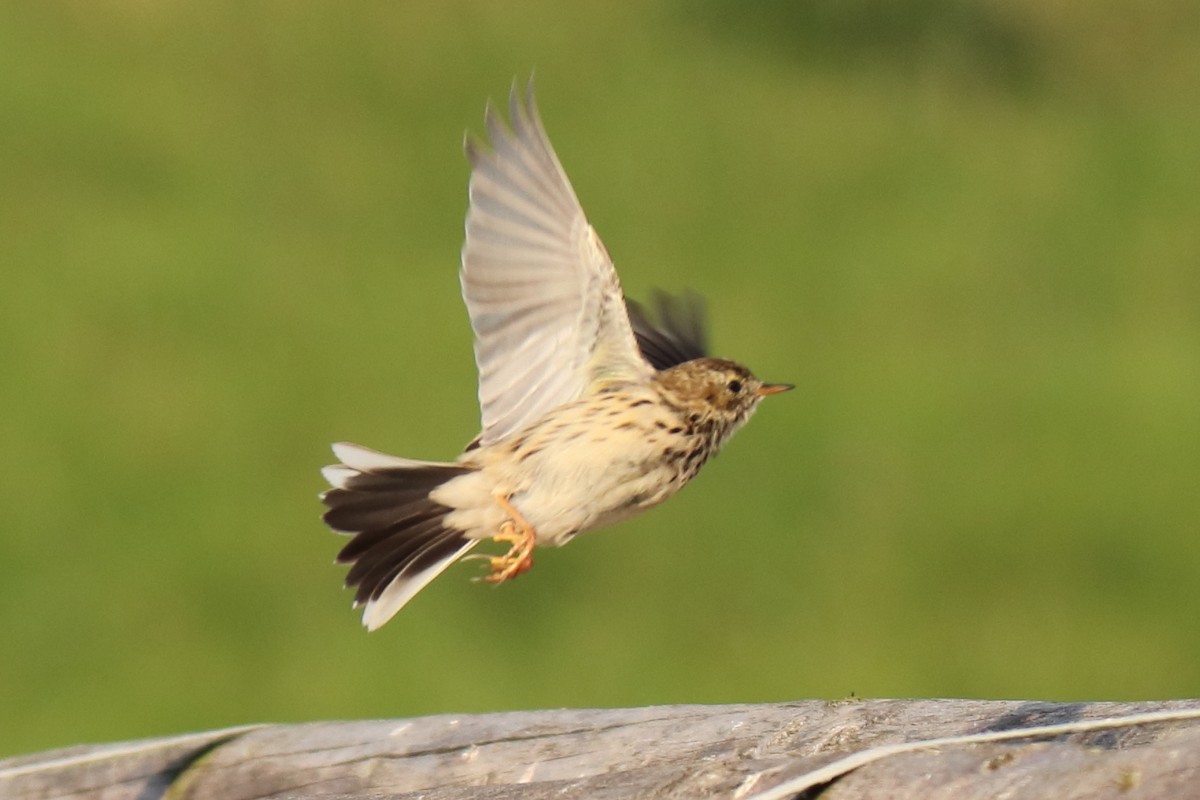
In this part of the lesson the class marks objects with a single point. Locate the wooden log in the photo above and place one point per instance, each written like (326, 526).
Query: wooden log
(842, 750)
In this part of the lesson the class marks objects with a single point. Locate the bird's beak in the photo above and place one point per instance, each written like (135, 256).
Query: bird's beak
(773, 388)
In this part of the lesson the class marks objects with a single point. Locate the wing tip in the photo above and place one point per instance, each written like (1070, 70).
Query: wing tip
(523, 116)
(670, 329)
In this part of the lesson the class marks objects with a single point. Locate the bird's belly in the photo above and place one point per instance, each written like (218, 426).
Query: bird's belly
(577, 486)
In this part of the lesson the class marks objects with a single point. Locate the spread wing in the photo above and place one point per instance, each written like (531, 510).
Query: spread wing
(544, 300)
(672, 330)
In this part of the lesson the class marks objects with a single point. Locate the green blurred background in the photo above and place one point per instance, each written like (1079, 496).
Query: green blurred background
(969, 232)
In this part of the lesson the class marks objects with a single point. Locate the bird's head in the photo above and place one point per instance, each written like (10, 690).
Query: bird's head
(715, 391)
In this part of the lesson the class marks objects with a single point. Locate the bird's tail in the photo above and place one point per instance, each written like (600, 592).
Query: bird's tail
(401, 541)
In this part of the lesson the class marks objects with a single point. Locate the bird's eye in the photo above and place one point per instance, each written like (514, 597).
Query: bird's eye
(734, 386)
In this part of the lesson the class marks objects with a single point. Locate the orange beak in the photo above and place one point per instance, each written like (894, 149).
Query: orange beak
(773, 388)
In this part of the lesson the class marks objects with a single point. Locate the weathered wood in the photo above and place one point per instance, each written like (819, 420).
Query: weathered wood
(655, 752)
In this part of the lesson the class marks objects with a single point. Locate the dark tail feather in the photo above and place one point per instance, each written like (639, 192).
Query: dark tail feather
(401, 542)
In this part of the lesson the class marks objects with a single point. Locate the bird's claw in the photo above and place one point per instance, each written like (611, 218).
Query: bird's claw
(518, 559)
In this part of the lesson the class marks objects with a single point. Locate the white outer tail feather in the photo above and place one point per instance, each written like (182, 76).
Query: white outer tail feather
(358, 461)
(405, 588)
(364, 459)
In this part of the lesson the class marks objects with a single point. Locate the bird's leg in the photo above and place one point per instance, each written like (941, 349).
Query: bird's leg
(517, 531)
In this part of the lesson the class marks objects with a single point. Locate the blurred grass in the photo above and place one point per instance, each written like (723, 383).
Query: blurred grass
(229, 236)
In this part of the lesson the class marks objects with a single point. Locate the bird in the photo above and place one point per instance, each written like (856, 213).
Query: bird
(593, 408)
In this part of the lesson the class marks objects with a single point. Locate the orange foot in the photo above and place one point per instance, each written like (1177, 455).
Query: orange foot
(521, 537)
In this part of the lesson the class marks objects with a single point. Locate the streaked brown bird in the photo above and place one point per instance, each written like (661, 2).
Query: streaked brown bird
(592, 410)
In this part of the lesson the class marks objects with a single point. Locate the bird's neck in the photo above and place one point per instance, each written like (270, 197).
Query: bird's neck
(698, 417)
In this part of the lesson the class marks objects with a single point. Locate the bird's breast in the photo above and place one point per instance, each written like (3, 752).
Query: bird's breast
(596, 461)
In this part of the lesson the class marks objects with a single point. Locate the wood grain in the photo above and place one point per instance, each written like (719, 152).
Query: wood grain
(737, 751)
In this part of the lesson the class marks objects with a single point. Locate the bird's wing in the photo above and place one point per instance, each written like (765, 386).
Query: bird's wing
(544, 300)
(672, 330)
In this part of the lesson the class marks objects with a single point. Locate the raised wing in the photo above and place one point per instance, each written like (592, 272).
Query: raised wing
(544, 300)
(672, 330)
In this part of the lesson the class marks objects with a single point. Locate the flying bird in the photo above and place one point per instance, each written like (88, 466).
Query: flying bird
(593, 409)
